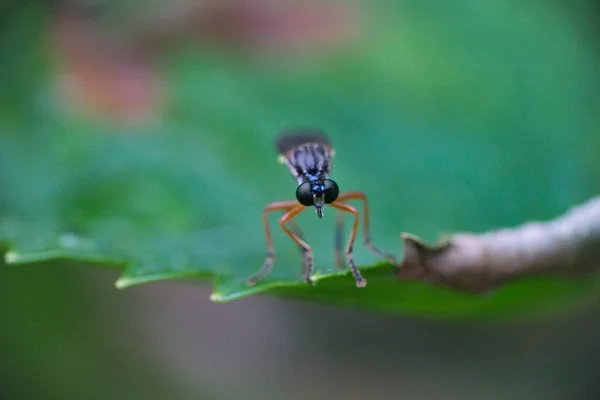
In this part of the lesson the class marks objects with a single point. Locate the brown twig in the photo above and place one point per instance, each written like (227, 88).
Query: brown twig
(568, 245)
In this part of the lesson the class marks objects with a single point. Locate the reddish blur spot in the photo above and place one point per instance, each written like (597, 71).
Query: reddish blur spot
(112, 77)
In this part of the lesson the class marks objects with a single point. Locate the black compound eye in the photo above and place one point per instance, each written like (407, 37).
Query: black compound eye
(331, 191)
(304, 194)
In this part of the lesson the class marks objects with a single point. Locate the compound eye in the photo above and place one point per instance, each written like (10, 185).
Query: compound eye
(331, 191)
(304, 194)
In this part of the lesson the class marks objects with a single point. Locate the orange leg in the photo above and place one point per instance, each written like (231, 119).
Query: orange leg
(293, 209)
(276, 206)
(360, 281)
(298, 232)
(338, 241)
(308, 256)
(366, 236)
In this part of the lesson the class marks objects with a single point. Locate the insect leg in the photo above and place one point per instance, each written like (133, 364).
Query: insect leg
(308, 255)
(338, 240)
(360, 281)
(367, 237)
(266, 268)
(298, 232)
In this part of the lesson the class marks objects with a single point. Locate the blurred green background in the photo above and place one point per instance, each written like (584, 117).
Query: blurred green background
(141, 135)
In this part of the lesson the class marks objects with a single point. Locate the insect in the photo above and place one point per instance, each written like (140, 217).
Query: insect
(309, 154)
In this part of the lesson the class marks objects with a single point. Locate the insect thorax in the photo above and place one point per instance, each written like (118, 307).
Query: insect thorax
(309, 162)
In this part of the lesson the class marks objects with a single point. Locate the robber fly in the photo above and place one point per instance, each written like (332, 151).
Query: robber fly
(309, 154)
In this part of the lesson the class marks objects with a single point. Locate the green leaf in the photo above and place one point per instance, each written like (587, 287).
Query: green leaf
(443, 130)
